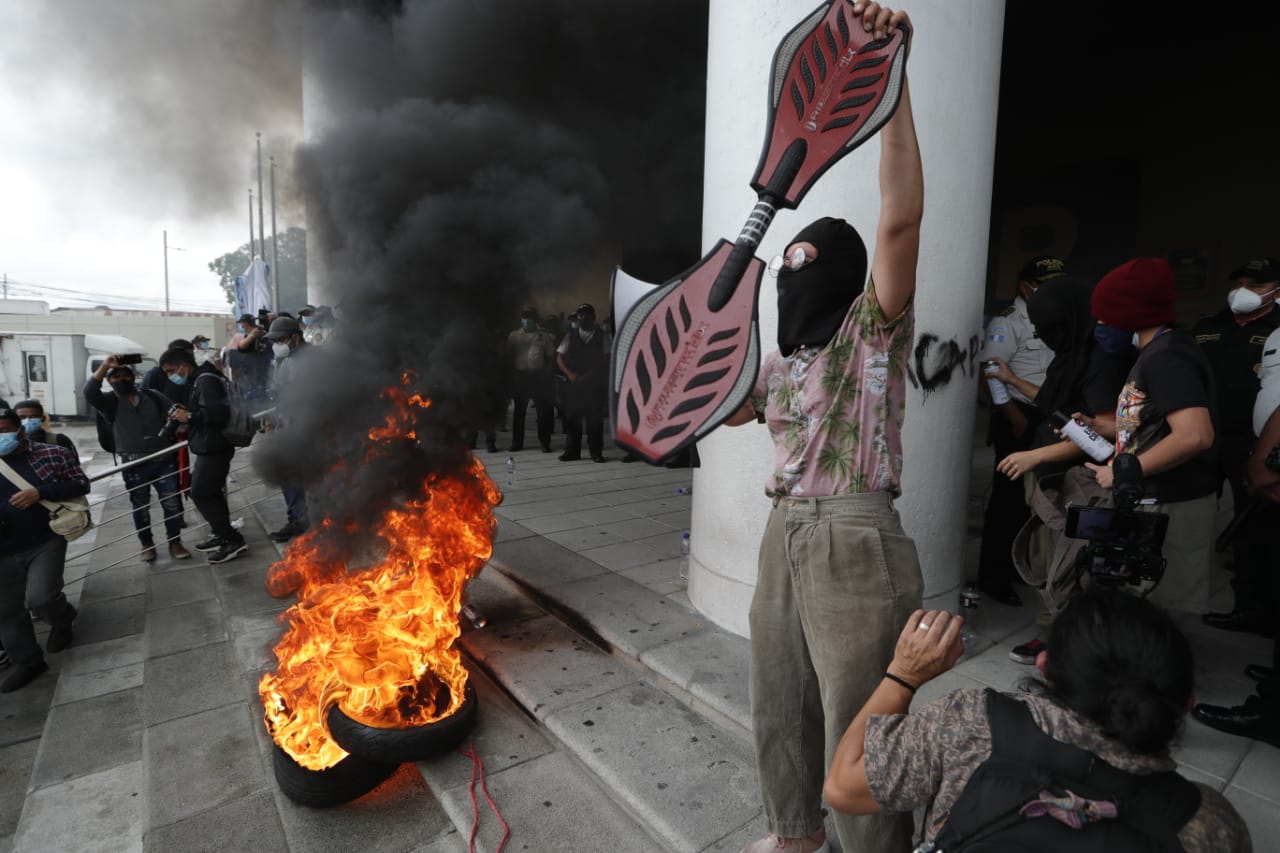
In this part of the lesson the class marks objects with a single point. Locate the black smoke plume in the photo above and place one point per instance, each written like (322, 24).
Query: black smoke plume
(477, 154)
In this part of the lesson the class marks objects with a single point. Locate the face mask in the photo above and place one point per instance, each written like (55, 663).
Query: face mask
(281, 350)
(178, 379)
(8, 442)
(1133, 342)
(123, 388)
(1242, 300)
(32, 424)
(1111, 339)
(526, 324)
(573, 324)
(243, 329)
(307, 321)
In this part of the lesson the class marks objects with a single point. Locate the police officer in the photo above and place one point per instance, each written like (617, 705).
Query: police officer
(1259, 716)
(583, 357)
(1232, 339)
(1012, 339)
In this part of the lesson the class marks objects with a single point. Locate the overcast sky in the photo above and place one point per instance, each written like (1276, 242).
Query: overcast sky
(122, 118)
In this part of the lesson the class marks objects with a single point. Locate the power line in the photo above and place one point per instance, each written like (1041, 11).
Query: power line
(99, 297)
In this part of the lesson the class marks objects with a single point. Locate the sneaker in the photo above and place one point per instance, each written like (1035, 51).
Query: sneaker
(148, 553)
(1027, 652)
(229, 551)
(178, 551)
(816, 843)
(213, 543)
(22, 675)
(60, 635)
(290, 530)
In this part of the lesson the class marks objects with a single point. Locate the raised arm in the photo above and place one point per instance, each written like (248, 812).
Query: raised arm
(901, 191)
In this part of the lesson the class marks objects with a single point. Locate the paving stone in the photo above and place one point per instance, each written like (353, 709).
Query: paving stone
(184, 586)
(249, 823)
(584, 538)
(242, 590)
(628, 616)
(16, 761)
(23, 712)
(509, 531)
(1259, 773)
(186, 626)
(200, 762)
(101, 812)
(503, 737)
(549, 523)
(1262, 817)
(499, 600)
(451, 842)
(393, 817)
(88, 736)
(684, 777)
(73, 688)
(714, 666)
(636, 528)
(545, 665)
(551, 804)
(538, 562)
(107, 620)
(254, 638)
(755, 829)
(533, 505)
(189, 682)
(116, 582)
(86, 657)
(1214, 752)
(623, 555)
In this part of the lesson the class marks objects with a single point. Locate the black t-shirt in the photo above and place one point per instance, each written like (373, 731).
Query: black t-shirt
(1171, 373)
(1235, 354)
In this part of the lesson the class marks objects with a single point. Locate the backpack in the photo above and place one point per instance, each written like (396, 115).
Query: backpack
(988, 818)
(240, 427)
(106, 428)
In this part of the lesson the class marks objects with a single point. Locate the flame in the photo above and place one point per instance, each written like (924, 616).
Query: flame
(379, 641)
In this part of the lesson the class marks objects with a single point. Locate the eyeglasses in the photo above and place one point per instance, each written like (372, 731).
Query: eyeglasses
(794, 261)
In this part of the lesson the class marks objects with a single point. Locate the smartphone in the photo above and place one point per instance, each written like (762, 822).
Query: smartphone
(1103, 524)
(130, 358)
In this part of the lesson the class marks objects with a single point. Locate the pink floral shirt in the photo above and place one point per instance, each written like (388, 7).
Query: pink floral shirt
(835, 412)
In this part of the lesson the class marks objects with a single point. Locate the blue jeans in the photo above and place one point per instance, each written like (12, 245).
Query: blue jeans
(32, 577)
(161, 473)
(295, 501)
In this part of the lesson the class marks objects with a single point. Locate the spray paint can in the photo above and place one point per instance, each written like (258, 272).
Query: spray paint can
(1098, 448)
(999, 393)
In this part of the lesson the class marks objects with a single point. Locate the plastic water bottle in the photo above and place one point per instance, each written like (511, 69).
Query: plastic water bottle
(969, 600)
(999, 393)
(511, 470)
(684, 555)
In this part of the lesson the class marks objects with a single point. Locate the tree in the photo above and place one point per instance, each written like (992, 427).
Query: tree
(292, 254)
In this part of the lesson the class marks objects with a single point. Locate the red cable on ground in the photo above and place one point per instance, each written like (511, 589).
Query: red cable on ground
(477, 768)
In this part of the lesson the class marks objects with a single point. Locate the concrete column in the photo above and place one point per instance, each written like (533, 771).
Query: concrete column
(954, 72)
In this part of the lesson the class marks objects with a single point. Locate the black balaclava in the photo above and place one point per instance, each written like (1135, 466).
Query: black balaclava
(1060, 312)
(813, 300)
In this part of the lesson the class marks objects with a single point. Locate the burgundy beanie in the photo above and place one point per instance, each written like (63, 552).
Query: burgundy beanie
(1138, 294)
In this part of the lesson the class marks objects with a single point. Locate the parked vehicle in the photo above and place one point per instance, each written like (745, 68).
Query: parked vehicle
(52, 367)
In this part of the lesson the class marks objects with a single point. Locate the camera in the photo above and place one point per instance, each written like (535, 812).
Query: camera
(130, 358)
(1124, 545)
(169, 431)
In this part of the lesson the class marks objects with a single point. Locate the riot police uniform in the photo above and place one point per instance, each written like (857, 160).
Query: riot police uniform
(1234, 351)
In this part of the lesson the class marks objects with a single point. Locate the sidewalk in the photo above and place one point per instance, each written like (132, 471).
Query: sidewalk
(612, 715)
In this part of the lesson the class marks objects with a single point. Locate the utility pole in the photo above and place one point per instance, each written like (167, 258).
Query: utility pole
(166, 272)
(275, 258)
(251, 224)
(6, 285)
(262, 225)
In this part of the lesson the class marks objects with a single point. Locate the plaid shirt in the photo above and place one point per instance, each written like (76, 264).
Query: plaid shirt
(54, 464)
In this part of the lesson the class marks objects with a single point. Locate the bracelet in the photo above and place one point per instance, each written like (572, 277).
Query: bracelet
(902, 681)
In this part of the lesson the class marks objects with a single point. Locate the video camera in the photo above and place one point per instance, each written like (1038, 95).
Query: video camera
(1125, 545)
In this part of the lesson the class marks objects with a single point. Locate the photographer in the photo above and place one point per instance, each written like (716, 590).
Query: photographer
(138, 418)
(208, 413)
(247, 357)
(1165, 415)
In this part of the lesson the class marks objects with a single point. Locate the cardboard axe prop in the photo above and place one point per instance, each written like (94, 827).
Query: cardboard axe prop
(686, 352)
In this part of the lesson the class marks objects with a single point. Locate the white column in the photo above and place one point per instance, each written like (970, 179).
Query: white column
(954, 70)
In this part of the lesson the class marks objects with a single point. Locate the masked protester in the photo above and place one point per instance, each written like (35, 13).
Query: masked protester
(31, 555)
(288, 345)
(36, 424)
(138, 421)
(837, 575)
(1232, 339)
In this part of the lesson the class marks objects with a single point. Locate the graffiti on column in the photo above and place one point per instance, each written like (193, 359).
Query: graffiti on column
(934, 362)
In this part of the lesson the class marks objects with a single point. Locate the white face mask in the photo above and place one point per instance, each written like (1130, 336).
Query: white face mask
(281, 350)
(1244, 301)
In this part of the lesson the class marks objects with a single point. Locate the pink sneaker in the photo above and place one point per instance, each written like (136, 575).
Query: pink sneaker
(815, 843)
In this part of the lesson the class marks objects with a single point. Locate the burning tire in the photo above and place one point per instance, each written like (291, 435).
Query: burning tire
(414, 743)
(352, 777)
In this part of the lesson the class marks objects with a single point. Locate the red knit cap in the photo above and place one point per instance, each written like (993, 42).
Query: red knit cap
(1138, 294)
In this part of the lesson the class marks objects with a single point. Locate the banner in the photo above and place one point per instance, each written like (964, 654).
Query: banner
(253, 289)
